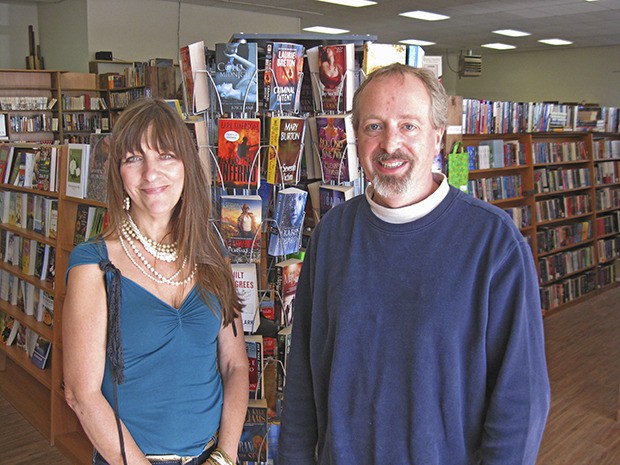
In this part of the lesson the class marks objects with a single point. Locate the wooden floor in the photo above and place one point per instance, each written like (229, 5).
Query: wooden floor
(583, 353)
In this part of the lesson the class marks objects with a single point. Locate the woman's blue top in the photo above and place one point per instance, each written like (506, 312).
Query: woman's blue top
(171, 398)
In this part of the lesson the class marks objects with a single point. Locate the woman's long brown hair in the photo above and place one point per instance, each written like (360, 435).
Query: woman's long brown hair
(153, 121)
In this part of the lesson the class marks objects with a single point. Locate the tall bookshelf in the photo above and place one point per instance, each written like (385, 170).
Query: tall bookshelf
(569, 199)
(26, 386)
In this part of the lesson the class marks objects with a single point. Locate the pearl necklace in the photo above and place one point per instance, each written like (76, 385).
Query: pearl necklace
(158, 277)
(165, 252)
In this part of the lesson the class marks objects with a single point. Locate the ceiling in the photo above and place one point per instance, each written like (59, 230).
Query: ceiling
(586, 24)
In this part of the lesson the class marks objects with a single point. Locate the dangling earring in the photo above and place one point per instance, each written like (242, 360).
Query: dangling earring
(126, 203)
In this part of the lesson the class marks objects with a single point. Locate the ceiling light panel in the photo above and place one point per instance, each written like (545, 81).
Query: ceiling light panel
(351, 3)
(499, 46)
(424, 15)
(326, 30)
(555, 41)
(511, 33)
(422, 43)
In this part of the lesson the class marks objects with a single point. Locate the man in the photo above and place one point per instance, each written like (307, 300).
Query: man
(417, 336)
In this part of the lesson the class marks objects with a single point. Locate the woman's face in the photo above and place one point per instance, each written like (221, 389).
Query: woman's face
(153, 180)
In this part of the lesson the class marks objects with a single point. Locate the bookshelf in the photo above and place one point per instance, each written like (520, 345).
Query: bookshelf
(83, 108)
(25, 98)
(25, 385)
(567, 207)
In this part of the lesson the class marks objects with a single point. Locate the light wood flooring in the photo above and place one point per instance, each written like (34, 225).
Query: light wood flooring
(583, 353)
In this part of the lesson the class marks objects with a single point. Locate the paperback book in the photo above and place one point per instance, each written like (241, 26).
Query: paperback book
(237, 152)
(288, 216)
(97, 185)
(287, 277)
(253, 442)
(240, 227)
(330, 196)
(77, 170)
(333, 76)
(282, 79)
(195, 80)
(286, 141)
(246, 283)
(337, 148)
(236, 77)
(379, 55)
(254, 349)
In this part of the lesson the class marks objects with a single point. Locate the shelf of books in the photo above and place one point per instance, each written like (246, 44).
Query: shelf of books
(566, 198)
(26, 101)
(28, 232)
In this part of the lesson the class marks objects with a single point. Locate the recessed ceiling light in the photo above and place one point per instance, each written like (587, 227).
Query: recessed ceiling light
(416, 42)
(424, 15)
(326, 30)
(511, 33)
(499, 46)
(353, 3)
(555, 41)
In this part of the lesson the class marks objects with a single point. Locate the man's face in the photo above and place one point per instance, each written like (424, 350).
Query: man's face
(396, 140)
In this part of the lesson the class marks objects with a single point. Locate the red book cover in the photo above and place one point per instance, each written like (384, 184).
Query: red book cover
(237, 150)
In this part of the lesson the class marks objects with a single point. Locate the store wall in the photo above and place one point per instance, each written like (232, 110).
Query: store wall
(14, 22)
(564, 74)
(143, 29)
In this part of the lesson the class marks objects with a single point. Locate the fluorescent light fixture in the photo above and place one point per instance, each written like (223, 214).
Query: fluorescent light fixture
(499, 46)
(352, 3)
(421, 43)
(424, 15)
(555, 41)
(326, 30)
(511, 33)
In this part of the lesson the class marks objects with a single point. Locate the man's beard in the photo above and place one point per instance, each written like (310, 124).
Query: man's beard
(388, 186)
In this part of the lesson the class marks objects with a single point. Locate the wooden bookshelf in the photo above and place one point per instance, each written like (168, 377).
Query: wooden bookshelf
(570, 182)
(27, 387)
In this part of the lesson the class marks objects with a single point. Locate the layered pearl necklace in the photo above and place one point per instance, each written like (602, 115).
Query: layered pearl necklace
(166, 252)
(128, 232)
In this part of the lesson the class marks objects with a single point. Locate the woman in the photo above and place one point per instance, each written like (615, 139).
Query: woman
(175, 367)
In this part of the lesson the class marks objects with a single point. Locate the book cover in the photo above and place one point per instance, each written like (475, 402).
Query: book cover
(237, 152)
(330, 196)
(51, 217)
(97, 184)
(45, 308)
(42, 176)
(246, 283)
(81, 223)
(5, 157)
(7, 323)
(77, 165)
(254, 349)
(253, 442)
(286, 141)
(379, 55)
(333, 69)
(41, 352)
(288, 217)
(336, 147)
(240, 227)
(287, 277)
(283, 71)
(236, 77)
(284, 347)
(193, 65)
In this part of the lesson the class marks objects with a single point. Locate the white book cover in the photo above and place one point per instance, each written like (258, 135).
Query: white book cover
(246, 283)
(77, 170)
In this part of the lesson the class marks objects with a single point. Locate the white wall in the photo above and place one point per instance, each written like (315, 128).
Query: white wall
(14, 22)
(64, 30)
(143, 29)
(565, 75)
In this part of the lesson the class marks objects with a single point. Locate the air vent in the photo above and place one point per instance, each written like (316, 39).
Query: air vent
(470, 65)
